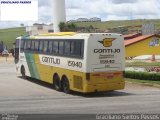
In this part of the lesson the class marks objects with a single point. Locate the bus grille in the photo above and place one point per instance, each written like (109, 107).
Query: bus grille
(77, 82)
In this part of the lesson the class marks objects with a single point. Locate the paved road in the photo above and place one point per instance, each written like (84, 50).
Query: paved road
(25, 96)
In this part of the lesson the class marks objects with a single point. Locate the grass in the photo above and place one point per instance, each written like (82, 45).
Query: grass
(115, 24)
(148, 82)
(8, 36)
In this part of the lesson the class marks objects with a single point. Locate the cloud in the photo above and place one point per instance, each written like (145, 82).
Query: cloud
(115, 17)
(105, 9)
(72, 4)
(108, 9)
(46, 3)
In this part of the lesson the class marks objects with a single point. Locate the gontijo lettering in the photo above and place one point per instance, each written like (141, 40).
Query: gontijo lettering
(50, 60)
(107, 50)
(16, 2)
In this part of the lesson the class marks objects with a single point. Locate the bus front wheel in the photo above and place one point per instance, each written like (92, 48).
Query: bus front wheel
(56, 81)
(65, 85)
(23, 72)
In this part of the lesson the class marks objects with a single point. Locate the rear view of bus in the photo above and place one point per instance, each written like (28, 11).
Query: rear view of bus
(105, 62)
(82, 62)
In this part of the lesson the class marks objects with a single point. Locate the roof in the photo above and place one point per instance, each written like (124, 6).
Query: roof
(137, 39)
(131, 36)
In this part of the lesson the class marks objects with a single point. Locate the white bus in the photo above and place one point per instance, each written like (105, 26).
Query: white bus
(83, 62)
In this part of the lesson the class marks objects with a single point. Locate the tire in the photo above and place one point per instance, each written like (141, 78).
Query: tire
(56, 81)
(23, 72)
(65, 85)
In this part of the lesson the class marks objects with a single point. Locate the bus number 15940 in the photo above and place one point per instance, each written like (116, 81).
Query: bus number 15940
(75, 64)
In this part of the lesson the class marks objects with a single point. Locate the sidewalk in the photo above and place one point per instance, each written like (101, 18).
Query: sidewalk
(9, 59)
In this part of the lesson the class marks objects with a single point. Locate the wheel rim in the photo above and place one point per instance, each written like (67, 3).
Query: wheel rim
(56, 83)
(66, 86)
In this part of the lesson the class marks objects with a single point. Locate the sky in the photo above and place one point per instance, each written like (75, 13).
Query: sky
(104, 9)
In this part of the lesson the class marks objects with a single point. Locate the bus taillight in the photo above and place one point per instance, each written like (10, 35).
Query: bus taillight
(88, 76)
(96, 75)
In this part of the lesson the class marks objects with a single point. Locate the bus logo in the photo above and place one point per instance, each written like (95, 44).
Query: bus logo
(107, 42)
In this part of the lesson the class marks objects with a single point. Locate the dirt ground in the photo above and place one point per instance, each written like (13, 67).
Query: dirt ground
(9, 59)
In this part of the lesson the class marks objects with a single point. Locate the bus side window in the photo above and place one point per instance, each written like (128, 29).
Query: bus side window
(25, 45)
(61, 47)
(36, 46)
(50, 47)
(16, 54)
(17, 43)
(55, 47)
(45, 47)
(75, 49)
(32, 45)
(22, 45)
(67, 48)
(41, 46)
(28, 44)
(81, 48)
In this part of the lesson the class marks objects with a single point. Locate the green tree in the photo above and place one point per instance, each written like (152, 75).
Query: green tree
(67, 27)
(72, 27)
(62, 26)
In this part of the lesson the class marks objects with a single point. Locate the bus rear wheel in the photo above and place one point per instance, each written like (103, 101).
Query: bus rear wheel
(56, 81)
(65, 85)
(23, 72)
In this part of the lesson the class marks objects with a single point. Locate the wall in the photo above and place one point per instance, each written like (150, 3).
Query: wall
(143, 48)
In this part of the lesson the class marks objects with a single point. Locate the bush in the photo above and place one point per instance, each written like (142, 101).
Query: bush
(142, 75)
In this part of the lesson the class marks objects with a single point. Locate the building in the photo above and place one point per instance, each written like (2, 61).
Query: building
(39, 29)
(136, 45)
(82, 20)
(95, 19)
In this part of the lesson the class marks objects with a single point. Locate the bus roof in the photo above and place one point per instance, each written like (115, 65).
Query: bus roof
(59, 34)
(67, 35)
(74, 34)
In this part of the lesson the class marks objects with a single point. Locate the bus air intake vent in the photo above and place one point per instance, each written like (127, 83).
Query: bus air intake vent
(77, 82)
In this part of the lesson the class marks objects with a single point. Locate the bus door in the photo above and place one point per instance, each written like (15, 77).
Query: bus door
(16, 52)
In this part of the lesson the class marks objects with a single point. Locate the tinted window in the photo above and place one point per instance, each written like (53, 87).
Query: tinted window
(41, 46)
(76, 48)
(17, 44)
(55, 47)
(28, 44)
(32, 44)
(25, 44)
(36, 45)
(67, 47)
(22, 45)
(45, 47)
(50, 48)
(61, 49)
